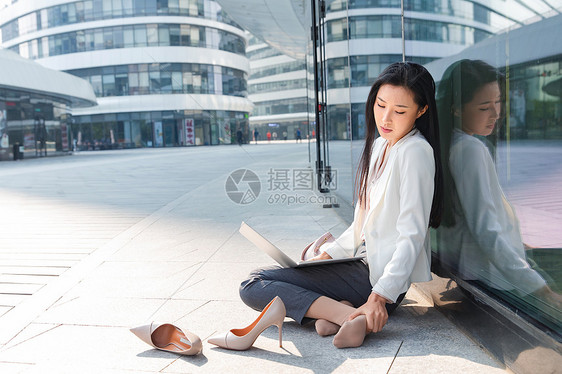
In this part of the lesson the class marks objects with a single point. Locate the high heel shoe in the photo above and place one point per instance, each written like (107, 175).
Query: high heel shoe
(241, 339)
(169, 338)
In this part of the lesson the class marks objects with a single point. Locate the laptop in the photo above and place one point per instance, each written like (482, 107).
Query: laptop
(279, 256)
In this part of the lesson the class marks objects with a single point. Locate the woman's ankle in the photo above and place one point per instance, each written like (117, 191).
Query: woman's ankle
(352, 333)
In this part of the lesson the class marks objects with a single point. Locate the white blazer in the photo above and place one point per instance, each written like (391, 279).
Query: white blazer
(396, 227)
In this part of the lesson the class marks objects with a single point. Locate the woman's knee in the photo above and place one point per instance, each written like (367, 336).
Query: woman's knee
(254, 291)
(249, 288)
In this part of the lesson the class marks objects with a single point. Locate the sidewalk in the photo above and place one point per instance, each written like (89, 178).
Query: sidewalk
(96, 243)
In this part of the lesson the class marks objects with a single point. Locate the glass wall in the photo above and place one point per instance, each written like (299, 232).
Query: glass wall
(501, 151)
(145, 79)
(150, 35)
(460, 8)
(158, 129)
(38, 123)
(364, 69)
(281, 106)
(93, 10)
(499, 96)
(366, 27)
(277, 69)
(277, 86)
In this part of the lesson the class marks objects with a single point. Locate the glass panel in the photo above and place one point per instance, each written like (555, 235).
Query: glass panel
(118, 37)
(95, 81)
(107, 9)
(164, 35)
(143, 83)
(128, 37)
(499, 231)
(152, 34)
(127, 7)
(177, 81)
(109, 85)
(121, 84)
(174, 35)
(140, 35)
(117, 8)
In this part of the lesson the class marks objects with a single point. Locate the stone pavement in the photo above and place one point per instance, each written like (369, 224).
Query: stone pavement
(98, 242)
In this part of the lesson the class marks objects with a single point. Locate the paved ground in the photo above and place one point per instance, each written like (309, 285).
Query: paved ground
(96, 243)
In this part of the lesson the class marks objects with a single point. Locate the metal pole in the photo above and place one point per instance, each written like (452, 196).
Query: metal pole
(314, 34)
(324, 89)
(403, 33)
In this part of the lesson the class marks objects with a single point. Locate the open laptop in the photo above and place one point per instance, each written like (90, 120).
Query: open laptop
(279, 256)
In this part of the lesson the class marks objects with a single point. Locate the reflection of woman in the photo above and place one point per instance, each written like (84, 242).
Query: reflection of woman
(397, 204)
(480, 232)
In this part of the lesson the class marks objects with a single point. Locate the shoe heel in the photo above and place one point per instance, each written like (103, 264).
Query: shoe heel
(280, 327)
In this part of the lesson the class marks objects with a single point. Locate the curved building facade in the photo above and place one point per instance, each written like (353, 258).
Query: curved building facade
(36, 107)
(166, 73)
(364, 36)
(496, 256)
(278, 89)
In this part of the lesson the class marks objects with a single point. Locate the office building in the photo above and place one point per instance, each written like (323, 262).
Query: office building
(166, 73)
(36, 108)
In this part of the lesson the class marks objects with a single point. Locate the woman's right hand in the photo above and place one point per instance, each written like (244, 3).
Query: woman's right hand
(321, 256)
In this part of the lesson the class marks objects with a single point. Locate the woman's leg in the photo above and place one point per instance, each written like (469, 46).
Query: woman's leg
(352, 333)
(299, 288)
(312, 293)
(327, 328)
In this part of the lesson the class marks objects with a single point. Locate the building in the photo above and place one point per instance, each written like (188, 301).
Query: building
(166, 73)
(36, 107)
(484, 284)
(362, 37)
(278, 89)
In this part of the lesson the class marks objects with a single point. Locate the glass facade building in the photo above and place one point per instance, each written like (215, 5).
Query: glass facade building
(278, 89)
(499, 241)
(35, 108)
(167, 73)
(497, 254)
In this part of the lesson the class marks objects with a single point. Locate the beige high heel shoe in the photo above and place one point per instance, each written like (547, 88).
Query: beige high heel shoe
(169, 338)
(241, 339)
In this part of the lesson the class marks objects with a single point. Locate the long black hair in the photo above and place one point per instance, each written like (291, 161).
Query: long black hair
(417, 79)
(460, 82)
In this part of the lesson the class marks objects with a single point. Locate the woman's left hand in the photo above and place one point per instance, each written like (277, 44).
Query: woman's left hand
(321, 256)
(375, 312)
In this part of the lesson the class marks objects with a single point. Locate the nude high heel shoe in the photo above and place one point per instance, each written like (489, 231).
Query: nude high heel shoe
(169, 338)
(241, 339)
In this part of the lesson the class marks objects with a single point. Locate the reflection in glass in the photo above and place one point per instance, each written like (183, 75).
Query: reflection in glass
(480, 237)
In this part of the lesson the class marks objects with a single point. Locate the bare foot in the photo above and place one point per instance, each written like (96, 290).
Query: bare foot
(327, 328)
(352, 333)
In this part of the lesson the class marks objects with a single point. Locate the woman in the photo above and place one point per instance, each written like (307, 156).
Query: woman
(400, 193)
(480, 237)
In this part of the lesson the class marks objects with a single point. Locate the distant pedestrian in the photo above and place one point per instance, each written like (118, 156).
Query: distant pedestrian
(268, 136)
(239, 136)
(256, 135)
(299, 137)
(274, 135)
(284, 135)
